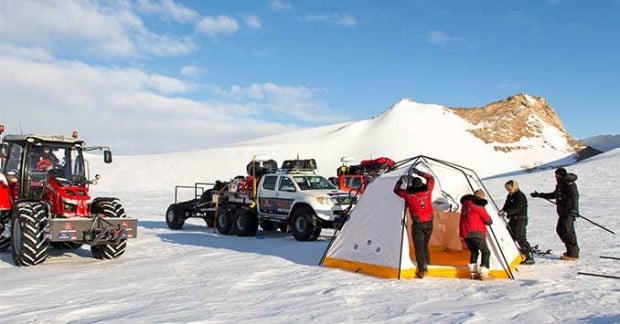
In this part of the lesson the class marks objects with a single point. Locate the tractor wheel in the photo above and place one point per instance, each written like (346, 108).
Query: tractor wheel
(5, 233)
(301, 224)
(174, 217)
(246, 222)
(28, 244)
(269, 226)
(225, 220)
(110, 250)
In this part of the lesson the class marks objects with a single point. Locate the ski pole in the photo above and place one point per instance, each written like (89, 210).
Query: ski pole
(599, 225)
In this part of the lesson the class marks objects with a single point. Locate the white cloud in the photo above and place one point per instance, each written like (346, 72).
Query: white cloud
(280, 5)
(168, 9)
(438, 37)
(103, 29)
(337, 19)
(253, 21)
(192, 71)
(218, 25)
(138, 112)
(34, 53)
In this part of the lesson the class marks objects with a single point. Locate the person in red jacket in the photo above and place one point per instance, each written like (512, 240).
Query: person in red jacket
(418, 200)
(472, 228)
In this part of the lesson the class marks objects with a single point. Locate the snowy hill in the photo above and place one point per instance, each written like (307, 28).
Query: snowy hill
(603, 142)
(196, 275)
(532, 135)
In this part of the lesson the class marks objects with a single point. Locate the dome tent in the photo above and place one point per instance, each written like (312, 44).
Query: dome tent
(375, 240)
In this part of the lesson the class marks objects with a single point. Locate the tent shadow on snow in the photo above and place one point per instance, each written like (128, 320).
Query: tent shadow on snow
(376, 239)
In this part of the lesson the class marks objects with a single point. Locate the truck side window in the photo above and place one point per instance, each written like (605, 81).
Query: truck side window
(286, 184)
(270, 183)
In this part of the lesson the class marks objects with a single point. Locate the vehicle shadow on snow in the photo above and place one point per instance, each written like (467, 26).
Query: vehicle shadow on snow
(276, 244)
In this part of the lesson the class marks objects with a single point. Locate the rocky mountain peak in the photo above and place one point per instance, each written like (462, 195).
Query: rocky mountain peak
(506, 122)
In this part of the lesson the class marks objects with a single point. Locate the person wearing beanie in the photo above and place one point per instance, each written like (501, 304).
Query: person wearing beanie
(566, 195)
(515, 209)
(472, 229)
(417, 197)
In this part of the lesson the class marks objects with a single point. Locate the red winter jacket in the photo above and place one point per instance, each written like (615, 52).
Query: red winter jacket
(474, 217)
(418, 199)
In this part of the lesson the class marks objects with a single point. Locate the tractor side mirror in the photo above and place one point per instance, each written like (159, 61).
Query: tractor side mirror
(4, 150)
(107, 156)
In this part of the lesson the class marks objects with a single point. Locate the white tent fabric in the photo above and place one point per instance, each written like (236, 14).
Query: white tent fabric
(375, 239)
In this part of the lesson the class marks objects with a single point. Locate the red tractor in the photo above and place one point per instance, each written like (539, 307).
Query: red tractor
(355, 178)
(45, 200)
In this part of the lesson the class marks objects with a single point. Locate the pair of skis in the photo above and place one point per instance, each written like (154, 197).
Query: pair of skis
(600, 274)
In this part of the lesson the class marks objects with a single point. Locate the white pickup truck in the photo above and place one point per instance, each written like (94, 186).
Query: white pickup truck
(303, 200)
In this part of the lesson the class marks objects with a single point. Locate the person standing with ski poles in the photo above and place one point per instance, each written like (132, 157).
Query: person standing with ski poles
(417, 197)
(515, 209)
(566, 195)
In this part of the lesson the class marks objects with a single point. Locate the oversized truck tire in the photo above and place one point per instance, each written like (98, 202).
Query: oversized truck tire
(113, 209)
(302, 226)
(174, 217)
(28, 244)
(246, 222)
(225, 219)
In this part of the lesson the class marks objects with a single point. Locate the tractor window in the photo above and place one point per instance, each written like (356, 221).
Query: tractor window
(14, 158)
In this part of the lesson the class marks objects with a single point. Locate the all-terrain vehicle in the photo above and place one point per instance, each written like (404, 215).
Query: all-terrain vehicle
(45, 200)
(292, 198)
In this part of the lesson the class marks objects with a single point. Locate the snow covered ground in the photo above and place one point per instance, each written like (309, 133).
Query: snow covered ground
(195, 275)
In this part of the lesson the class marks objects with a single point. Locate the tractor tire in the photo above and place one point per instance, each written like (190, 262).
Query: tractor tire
(269, 226)
(246, 222)
(5, 237)
(110, 250)
(174, 217)
(301, 224)
(28, 244)
(225, 220)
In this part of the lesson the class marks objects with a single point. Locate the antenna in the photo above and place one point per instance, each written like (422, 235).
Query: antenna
(19, 122)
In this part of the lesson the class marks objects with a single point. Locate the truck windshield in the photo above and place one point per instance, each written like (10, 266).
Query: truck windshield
(313, 182)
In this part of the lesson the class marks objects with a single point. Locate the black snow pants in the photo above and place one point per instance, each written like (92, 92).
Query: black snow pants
(478, 245)
(421, 234)
(566, 231)
(519, 234)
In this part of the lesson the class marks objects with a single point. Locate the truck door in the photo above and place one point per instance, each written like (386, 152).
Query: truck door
(267, 195)
(285, 196)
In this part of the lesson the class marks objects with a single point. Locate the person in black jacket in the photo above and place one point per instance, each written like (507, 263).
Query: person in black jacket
(515, 209)
(566, 195)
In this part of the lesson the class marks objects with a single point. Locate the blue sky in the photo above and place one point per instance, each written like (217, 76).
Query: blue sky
(168, 75)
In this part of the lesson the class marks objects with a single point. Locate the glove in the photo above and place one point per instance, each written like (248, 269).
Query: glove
(502, 213)
(535, 194)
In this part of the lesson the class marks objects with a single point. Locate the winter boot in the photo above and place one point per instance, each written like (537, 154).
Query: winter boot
(484, 273)
(529, 258)
(473, 271)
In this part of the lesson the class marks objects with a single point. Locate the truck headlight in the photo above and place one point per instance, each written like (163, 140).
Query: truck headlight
(324, 200)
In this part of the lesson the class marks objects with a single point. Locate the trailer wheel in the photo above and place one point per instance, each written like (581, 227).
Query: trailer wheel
(301, 224)
(246, 222)
(225, 220)
(110, 250)
(174, 217)
(269, 226)
(28, 244)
